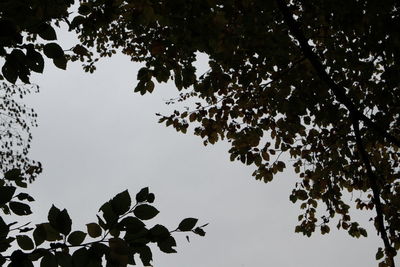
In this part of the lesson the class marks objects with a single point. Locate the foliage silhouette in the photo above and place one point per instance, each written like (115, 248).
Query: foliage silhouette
(26, 35)
(116, 237)
(317, 81)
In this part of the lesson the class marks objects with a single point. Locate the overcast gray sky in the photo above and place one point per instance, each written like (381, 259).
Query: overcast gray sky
(96, 138)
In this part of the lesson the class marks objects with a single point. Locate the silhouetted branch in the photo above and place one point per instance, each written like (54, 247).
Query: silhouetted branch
(355, 114)
(338, 91)
(375, 190)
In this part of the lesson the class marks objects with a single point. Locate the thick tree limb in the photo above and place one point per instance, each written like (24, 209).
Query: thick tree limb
(338, 91)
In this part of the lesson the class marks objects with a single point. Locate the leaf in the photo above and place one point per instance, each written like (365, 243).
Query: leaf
(47, 32)
(60, 220)
(379, 254)
(131, 224)
(159, 232)
(192, 117)
(21, 184)
(150, 86)
(145, 255)
(12, 175)
(301, 194)
(80, 50)
(39, 234)
(49, 260)
(131, 257)
(140, 87)
(25, 242)
(99, 249)
(143, 75)
(187, 224)
(121, 203)
(109, 215)
(63, 259)
(265, 155)
(166, 245)
(37, 254)
(17, 59)
(114, 232)
(76, 238)
(363, 232)
(145, 212)
(199, 231)
(46, 231)
(84, 9)
(6, 194)
(94, 230)
(118, 251)
(142, 195)
(6, 243)
(325, 229)
(10, 72)
(293, 198)
(81, 257)
(19, 258)
(2, 260)
(150, 198)
(20, 208)
(60, 62)
(78, 20)
(53, 50)
(25, 196)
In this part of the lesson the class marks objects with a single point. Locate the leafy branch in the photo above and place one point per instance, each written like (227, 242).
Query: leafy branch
(121, 221)
(390, 251)
(355, 115)
(337, 90)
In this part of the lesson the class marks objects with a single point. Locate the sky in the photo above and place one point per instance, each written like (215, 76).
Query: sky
(96, 138)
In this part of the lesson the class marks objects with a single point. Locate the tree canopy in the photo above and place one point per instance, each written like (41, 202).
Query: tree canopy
(317, 81)
(119, 231)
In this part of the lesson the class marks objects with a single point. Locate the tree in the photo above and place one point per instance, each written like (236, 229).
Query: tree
(316, 81)
(119, 232)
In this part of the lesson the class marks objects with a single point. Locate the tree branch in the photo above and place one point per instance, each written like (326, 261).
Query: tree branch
(390, 251)
(355, 115)
(338, 91)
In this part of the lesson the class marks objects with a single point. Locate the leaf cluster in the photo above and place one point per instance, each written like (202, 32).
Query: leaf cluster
(115, 238)
(16, 122)
(314, 82)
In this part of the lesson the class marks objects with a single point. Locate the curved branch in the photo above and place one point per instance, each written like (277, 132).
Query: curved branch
(338, 91)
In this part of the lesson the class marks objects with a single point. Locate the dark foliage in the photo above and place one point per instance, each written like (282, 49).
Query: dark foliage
(317, 81)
